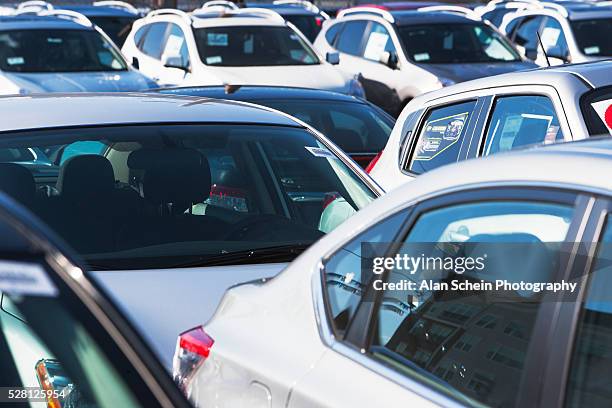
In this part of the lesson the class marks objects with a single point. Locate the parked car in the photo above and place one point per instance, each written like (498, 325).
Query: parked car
(402, 54)
(61, 51)
(495, 11)
(321, 335)
(115, 18)
(304, 15)
(492, 115)
(170, 200)
(218, 46)
(570, 32)
(59, 334)
(358, 127)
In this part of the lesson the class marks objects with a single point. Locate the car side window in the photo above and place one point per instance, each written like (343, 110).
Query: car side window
(154, 40)
(138, 36)
(440, 137)
(512, 25)
(176, 44)
(350, 37)
(332, 33)
(590, 374)
(343, 283)
(553, 37)
(519, 121)
(527, 35)
(377, 42)
(457, 342)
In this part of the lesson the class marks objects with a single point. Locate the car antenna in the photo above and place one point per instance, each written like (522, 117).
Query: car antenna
(543, 49)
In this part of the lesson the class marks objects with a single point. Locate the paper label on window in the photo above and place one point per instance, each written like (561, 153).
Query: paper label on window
(214, 60)
(174, 44)
(320, 152)
(29, 279)
(421, 57)
(15, 61)
(604, 111)
(591, 50)
(440, 134)
(217, 39)
(550, 36)
(375, 46)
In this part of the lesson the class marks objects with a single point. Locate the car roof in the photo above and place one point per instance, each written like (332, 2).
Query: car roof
(596, 74)
(285, 9)
(586, 11)
(32, 22)
(100, 11)
(95, 109)
(254, 92)
(414, 17)
(210, 19)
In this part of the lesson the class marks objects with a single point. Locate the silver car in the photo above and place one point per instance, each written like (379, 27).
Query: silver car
(491, 115)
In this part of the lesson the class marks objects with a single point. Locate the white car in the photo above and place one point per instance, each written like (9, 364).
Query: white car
(491, 115)
(569, 31)
(217, 45)
(327, 333)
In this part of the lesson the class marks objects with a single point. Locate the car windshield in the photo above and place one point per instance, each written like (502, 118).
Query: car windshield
(117, 28)
(593, 36)
(455, 43)
(162, 196)
(57, 51)
(253, 46)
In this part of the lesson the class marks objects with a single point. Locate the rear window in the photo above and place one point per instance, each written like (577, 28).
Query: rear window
(151, 197)
(117, 28)
(593, 36)
(253, 46)
(309, 25)
(57, 51)
(596, 108)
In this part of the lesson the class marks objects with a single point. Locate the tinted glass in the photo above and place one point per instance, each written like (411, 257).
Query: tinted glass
(553, 37)
(458, 344)
(154, 40)
(378, 41)
(174, 195)
(592, 36)
(520, 121)
(455, 43)
(526, 35)
(440, 137)
(332, 33)
(351, 36)
(57, 51)
(590, 374)
(496, 16)
(355, 127)
(253, 46)
(117, 28)
(594, 106)
(309, 25)
(344, 285)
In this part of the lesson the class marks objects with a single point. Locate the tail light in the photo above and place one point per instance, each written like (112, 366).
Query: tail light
(192, 349)
(371, 165)
(319, 21)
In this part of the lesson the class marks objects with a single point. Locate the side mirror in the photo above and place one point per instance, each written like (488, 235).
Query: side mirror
(556, 52)
(135, 63)
(333, 58)
(175, 61)
(389, 59)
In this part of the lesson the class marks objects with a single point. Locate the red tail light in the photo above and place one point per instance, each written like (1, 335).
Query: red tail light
(370, 166)
(319, 21)
(192, 349)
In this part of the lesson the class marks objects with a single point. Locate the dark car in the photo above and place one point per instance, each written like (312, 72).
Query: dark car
(360, 128)
(307, 17)
(114, 18)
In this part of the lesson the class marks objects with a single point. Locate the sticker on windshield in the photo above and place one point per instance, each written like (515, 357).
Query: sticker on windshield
(15, 61)
(440, 134)
(550, 36)
(320, 152)
(19, 278)
(52, 40)
(604, 110)
(421, 57)
(375, 46)
(213, 60)
(591, 50)
(174, 44)
(217, 40)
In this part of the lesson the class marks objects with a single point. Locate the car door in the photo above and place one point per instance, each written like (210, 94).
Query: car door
(380, 80)
(62, 343)
(175, 45)
(432, 347)
(150, 49)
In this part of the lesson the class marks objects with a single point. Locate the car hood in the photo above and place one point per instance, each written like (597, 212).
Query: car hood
(466, 72)
(123, 81)
(320, 76)
(174, 300)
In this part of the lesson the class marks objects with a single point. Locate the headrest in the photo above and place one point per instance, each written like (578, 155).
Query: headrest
(18, 182)
(178, 176)
(86, 176)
